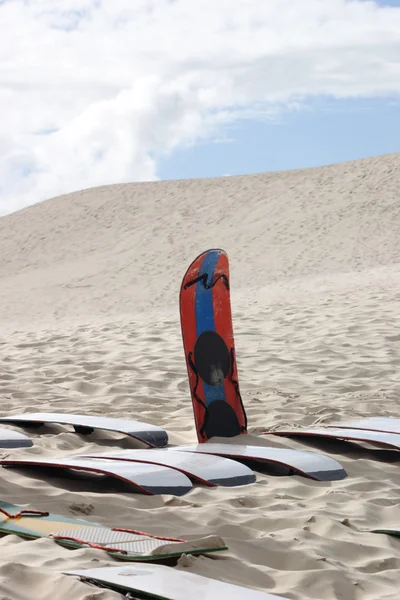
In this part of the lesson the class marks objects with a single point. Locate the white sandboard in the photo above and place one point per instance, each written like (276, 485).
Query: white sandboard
(150, 435)
(166, 583)
(206, 469)
(309, 464)
(13, 439)
(382, 424)
(377, 438)
(146, 478)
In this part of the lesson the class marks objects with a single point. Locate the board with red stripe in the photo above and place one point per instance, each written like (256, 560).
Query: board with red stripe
(207, 332)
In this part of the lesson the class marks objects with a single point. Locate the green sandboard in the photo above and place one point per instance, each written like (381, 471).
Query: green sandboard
(388, 530)
(120, 543)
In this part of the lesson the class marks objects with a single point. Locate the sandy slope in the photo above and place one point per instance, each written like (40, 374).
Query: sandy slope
(89, 315)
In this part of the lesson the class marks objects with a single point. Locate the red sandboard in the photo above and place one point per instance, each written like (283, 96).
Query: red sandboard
(207, 332)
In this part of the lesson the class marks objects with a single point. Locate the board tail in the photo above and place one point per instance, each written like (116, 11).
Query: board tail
(207, 332)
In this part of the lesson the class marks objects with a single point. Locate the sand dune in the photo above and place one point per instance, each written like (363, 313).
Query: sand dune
(123, 248)
(90, 323)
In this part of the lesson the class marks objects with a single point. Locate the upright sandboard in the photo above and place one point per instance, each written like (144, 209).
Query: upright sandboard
(385, 440)
(206, 321)
(121, 543)
(13, 439)
(150, 435)
(166, 583)
(205, 469)
(207, 334)
(283, 461)
(148, 479)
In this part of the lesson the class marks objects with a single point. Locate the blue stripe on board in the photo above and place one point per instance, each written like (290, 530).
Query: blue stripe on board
(205, 317)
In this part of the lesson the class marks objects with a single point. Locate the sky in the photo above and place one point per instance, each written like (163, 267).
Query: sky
(95, 92)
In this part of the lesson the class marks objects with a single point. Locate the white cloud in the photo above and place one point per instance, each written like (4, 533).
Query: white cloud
(93, 91)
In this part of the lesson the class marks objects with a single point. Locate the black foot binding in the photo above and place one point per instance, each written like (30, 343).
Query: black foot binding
(211, 357)
(221, 420)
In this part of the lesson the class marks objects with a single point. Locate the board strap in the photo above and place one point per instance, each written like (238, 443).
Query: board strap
(76, 540)
(235, 384)
(156, 537)
(21, 513)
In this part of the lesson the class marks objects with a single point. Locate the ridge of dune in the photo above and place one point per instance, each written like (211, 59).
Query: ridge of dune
(90, 324)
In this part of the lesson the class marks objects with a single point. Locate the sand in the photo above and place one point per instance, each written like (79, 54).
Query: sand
(90, 323)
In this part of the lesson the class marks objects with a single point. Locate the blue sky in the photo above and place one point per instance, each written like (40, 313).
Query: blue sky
(324, 133)
(97, 93)
(394, 3)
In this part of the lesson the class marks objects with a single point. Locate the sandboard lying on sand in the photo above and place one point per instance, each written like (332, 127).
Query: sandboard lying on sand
(123, 544)
(148, 479)
(206, 469)
(382, 424)
(376, 438)
(150, 435)
(166, 583)
(207, 333)
(13, 439)
(286, 461)
(388, 530)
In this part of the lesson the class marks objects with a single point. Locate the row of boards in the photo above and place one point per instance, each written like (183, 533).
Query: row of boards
(173, 473)
(172, 470)
(381, 431)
